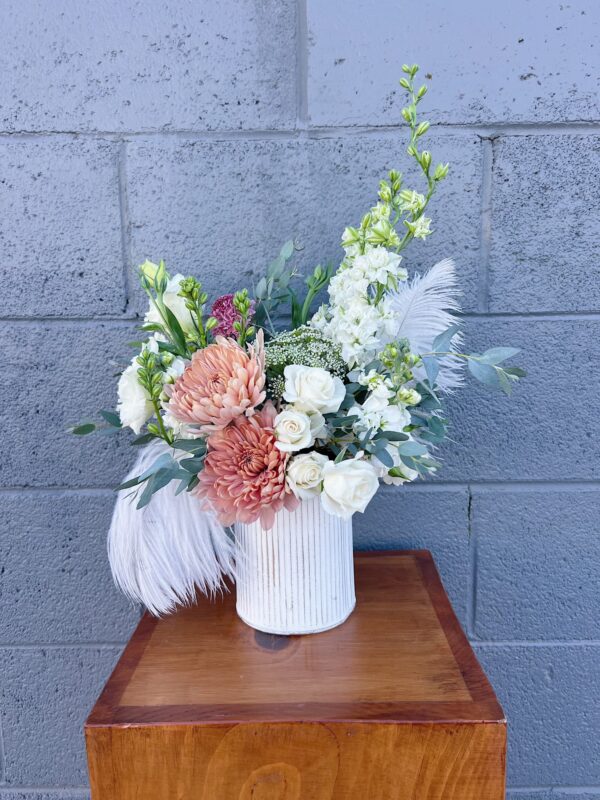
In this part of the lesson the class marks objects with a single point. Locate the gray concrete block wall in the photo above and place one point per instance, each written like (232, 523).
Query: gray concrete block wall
(208, 135)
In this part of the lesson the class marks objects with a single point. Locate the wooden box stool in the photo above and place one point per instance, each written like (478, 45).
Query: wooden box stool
(392, 705)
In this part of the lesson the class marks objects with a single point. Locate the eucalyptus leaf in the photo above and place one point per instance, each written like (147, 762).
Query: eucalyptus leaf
(391, 436)
(496, 355)
(432, 368)
(112, 418)
(517, 372)
(195, 446)
(83, 429)
(287, 250)
(143, 439)
(386, 459)
(484, 373)
(442, 342)
(412, 449)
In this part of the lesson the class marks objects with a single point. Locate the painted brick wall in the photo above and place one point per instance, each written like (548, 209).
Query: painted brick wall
(208, 133)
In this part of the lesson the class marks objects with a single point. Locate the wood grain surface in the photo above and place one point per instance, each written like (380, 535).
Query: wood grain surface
(392, 704)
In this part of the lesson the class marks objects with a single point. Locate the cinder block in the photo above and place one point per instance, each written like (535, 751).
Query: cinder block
(538, 564)
(551, 696)
(531, 435)
(544, 229)
(421, 516)
(60, 229)
(57, 794)
(46, 695)
(487, 62)
(177, 64)
(554, 793)
(217, 210)
(57, 374)
(193, 202)
(54, 569)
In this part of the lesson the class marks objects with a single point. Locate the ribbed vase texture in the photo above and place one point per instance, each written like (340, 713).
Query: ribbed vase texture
(299, 576)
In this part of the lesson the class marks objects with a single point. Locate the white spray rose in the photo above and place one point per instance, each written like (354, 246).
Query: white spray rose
(296, 430)
(134, 406)
(348, 487)
(175, 304)
(305, 473)
(313, 389)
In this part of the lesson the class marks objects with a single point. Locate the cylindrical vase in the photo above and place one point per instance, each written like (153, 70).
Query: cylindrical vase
(297, 577)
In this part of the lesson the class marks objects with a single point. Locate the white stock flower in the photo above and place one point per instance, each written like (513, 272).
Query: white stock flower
(175, 304)
(421, 228)
(377, 383)
(378, 414)
(305, 473)
(359, 325)
(296, 430)
(377, 264)
(313, 389)
(134, 406)
(348, 487)
(411, 201)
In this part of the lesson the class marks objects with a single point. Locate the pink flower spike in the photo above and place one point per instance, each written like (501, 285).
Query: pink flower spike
(224, 312)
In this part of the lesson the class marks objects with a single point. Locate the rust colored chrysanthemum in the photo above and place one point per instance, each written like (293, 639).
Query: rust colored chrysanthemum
(222, 382)
(243, 479)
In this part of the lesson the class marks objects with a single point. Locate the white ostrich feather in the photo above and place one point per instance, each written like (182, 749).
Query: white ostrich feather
(161, 553)
(424, 309)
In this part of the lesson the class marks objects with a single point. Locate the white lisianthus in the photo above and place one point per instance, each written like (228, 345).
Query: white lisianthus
(134, 406)
(313, 389)
(305, 473)
(348, 487)
(296, 430)
(174, 303)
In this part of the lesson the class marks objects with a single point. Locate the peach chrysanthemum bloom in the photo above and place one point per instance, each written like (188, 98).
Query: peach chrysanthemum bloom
(220, 383)
(243, 479)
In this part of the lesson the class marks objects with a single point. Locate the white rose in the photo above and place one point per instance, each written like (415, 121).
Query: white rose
(175, 304)
(296, 430)
(305, 473)
(348, 487)
(134, 406)
(313, 388)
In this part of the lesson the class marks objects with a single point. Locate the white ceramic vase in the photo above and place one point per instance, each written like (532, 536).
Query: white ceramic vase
(297, 577)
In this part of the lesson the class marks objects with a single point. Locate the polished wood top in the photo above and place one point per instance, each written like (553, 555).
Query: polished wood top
(401, 657)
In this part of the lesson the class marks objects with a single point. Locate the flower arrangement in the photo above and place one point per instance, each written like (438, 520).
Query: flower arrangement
(257, 416)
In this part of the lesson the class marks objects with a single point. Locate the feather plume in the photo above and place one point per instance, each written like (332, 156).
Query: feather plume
(161, 553)
(424, 308)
